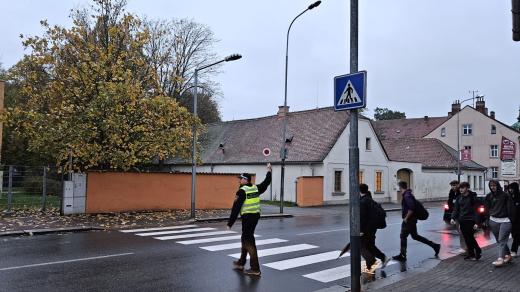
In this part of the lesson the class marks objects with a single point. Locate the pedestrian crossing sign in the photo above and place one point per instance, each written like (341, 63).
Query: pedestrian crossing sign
(350, 91)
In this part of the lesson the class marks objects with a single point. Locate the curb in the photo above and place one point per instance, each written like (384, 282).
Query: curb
(266, 216)
(32, 232)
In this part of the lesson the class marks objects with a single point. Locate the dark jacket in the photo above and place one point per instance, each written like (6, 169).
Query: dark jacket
(500, 205)
(240, 197)
(515, 196)
(408, 202)
(452, 196)
(365, 205)
(465, 208)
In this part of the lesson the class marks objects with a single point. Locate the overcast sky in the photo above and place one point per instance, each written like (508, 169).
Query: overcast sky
(420, 55)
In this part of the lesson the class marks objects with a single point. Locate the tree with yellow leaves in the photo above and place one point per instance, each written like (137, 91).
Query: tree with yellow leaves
(92, 96)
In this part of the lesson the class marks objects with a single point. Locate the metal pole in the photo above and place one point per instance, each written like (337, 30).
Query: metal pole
(193, 151)
(283, 153)
(355, 237)
(458, 144)
(44, 188)
(10, 189)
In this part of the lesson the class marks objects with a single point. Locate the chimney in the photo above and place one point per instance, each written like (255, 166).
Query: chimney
(481, 105)
(426, 118)
(492, 114)
(455, 108)
(283, 110)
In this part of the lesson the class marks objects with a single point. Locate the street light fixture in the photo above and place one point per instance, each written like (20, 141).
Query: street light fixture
(229, 58)
(283, 153)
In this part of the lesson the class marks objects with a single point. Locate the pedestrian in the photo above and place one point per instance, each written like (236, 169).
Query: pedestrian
(465, 214)
(500, 206)
(247, 203)
(369, 250)
(409, 225)
(514, 192)
(452, 197)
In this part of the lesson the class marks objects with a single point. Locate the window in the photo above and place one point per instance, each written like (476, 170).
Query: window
(469, 181)
(493, 129)
(337, 181)
(468, 147)
(379, 181)
(494, 172)
(480, 182)
(361, 178)
(368, 144)
(443, 132)
(474, 182)
(493, 151)
(467, 129)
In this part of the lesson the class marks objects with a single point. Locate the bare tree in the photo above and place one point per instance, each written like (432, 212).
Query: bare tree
(175, 49)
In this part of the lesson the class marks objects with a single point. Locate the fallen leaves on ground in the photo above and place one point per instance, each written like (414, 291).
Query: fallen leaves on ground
(24, 219)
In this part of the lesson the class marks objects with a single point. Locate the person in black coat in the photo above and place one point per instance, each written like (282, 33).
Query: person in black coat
(514, 192)
(369, 250)
(465, 213)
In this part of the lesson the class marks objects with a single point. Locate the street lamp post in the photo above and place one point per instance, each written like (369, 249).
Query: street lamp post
(194, 129)
(283, 153)
(458, 132)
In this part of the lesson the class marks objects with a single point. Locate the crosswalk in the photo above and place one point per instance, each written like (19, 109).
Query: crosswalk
(279, 253)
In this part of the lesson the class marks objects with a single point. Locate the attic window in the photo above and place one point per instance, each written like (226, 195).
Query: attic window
(368, 144)
(443, 132)
(493, 129)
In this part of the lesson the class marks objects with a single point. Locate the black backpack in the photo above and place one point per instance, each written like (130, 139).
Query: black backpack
(378, 215)
(420, 212)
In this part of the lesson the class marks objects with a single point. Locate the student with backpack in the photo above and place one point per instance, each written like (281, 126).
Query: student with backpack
(412, 210)
(465, 213)
(372, 217)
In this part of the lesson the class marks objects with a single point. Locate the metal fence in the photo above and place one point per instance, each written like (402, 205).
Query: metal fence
(30, 187)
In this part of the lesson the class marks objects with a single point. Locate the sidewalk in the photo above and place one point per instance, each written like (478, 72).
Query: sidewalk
(456, 274)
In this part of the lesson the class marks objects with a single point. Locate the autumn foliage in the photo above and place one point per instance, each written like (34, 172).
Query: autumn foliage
(92, 95)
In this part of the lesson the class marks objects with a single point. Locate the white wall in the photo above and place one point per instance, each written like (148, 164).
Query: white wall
(370, 161)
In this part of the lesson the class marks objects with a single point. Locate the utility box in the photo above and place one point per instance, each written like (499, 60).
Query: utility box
(68, 197)
(74, 194)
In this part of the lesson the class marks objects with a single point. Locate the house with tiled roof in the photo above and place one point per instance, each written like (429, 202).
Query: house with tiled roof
(490, 142)
(317, 142)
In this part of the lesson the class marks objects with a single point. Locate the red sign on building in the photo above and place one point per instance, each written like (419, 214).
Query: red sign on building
(465, 154)
(507, 149)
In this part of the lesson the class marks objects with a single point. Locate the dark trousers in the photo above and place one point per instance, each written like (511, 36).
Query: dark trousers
(466, 227)
(516, 236)
(249, 222)
(410, 228)
(369, 250)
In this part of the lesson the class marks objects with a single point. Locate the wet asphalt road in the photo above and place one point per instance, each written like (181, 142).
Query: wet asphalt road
(116, 261)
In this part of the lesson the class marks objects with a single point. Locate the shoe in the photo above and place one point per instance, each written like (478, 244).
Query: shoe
(400, 258)
(514, 254)
(237, 266)
(462, 251)
(478, 256)
(384, 262)
(371, 269)
(470, 258)
(437, 249)
(252, 272)
(508, 259)
(499, 262)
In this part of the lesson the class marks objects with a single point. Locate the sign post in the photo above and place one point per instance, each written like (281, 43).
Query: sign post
(350, 94)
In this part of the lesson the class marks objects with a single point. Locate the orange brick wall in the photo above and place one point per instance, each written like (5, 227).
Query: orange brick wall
(118, 191)
(309, 191)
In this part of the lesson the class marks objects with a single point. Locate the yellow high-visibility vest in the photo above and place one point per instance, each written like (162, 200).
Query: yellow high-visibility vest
(252, 203)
